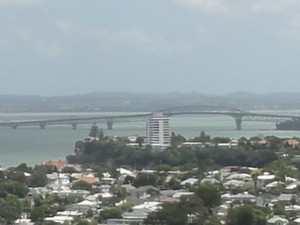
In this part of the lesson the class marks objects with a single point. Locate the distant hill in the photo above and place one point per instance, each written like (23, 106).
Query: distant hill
(147, 102)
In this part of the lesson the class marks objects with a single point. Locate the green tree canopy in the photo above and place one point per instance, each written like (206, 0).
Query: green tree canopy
(209, 194)
(170, 214)
(94, 131)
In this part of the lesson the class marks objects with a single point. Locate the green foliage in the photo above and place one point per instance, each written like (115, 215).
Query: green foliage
(193, 205)
(217, 140)
(202, 138)
(246, 215)
(23, 167)
(143, 179)
(10, 209)
(140, 140)
(281, 168)
(83, 222)
(209, 194)
(38, 178)
(94, 132)
(115, 154)
(110, 213)
(173, 184)
(15, 175)
(176, 140)
(241, 215)
(69, 170)
(170, 214)
(16, 188)
(38, 213)
(82, 185)
(278, 208)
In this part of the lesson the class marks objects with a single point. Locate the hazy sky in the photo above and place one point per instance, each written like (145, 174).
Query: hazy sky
(64, 47)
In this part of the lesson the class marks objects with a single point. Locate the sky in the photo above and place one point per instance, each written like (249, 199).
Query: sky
(67, 47)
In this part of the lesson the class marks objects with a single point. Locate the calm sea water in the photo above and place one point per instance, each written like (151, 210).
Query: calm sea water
(34, 146)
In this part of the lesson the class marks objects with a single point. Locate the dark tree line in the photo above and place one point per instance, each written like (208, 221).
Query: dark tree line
(114, 154)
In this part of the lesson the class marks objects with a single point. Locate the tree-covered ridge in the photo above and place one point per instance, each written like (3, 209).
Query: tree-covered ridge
(117, 153)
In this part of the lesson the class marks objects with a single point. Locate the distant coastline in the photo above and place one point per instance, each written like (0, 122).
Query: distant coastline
(145, 102)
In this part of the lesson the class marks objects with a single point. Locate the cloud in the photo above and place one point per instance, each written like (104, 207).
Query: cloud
(210, 6)
(50, 49)
(68, 27)
(149, 42)
(238, 7)
(3, 43)
(19, 2)
(292, 30)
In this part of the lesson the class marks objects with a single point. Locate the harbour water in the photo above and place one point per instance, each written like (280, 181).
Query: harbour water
(34, 146)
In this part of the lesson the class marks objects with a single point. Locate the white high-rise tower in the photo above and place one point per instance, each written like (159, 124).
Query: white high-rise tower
(158, 130)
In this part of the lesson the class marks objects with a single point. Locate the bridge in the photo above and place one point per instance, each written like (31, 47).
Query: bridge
(238, 115)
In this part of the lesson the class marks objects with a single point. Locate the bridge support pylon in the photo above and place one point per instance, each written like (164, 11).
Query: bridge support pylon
(14, 126)
(109, 124)
(43, 125)
(74, 126)
(238, 122)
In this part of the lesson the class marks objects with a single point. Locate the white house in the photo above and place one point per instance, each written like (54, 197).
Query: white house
(277, 220)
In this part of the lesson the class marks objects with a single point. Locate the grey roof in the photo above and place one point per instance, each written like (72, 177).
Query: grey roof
(285, 197)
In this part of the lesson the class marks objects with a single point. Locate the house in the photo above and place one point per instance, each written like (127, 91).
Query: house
(263, 200)
(277, 220)
(138, 214)
(58, 164)
(240, 197)
(178, 194)
(220, 211)
(265, 178)
(239, 176)
(57, 180)
(292, 143)
(145, 192)
(60, 219)
(232, 184)
(124, 222)
(292, 187)
(89, 179)
(273, 185)
(287, 198)
(189, 181)
(83, 206)
(297, 221)
(23, 222)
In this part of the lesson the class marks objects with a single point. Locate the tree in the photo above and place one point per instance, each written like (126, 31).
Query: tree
(143, 179)
(82, 185)
(24, 168)
(202, 138)
(101, 134)
(194, 206)
(69, 169)
(94, 131)
(140, 141)
(170, 214)
(16, 188)
(173, 184)
(110, 213)
(176, 140)
(209, 194)
(83, 222)
(240, 215)
(10, 209)
(37, 179)
(37, 213)
(246, 215)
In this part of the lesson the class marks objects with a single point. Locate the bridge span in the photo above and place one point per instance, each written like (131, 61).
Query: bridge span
(238, 115)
